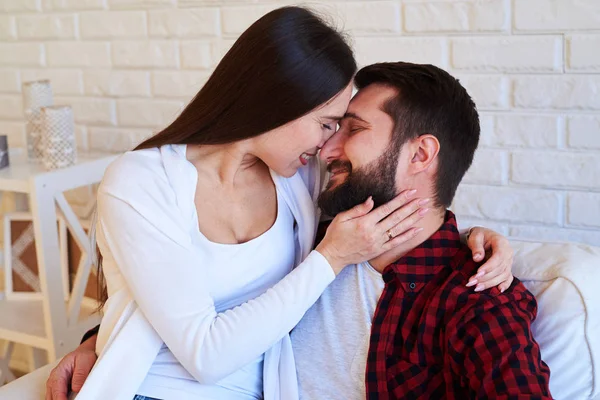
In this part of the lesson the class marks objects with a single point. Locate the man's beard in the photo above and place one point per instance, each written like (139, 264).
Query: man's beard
(377, 179)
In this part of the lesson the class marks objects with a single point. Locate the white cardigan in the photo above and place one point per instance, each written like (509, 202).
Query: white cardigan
(146, 214)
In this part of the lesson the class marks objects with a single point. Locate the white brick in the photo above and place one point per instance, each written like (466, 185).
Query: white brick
(178, 83)
(81, 138)
(235, 20)
(74, 4)
(363, 17)
(139, 4)
(556, 169)
(112, 24)
(490, 92)
(22, 54)
(507, 204)
(508, 54)
(116, 139)
(64, 81)
(421, 50)
(583, 53)
(9, 81)
(147, 113)
(466, 223)
(188, 23)
(460, 16)
(535, 131)
(146, 54)
(197, 55)
(545, 15)
(78, 54)
(489, 166)
(89, 110)
(487, 125)
(15, 132)
(584, 132)
(556, 234)
(8, 30)
(559, 92)
(20, 5)
(11, 107)
(46, 26)
(117, 83)
(583, 209)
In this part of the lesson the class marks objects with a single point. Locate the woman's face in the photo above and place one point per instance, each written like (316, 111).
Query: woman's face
(287, 148)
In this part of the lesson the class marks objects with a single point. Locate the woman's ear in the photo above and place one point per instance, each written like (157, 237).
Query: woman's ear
(425, 150)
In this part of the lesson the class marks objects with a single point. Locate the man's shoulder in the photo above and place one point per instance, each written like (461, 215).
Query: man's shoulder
(471, 303)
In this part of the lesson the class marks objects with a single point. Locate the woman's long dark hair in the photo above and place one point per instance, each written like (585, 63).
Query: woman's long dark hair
(286, 64)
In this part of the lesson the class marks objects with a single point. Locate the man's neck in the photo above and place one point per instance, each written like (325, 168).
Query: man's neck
(430, 224)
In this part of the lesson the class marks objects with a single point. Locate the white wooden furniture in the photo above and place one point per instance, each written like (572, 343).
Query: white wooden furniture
(55, 318)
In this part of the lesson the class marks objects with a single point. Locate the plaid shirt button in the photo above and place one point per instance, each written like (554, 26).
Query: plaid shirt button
(412, 285)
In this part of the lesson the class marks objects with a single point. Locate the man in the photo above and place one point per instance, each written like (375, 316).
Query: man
(429, 334)
(404, 326)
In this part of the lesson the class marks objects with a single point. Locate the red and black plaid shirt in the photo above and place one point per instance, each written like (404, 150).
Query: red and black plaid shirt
(434, 338)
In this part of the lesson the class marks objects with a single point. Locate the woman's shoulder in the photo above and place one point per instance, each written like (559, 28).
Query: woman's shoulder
(137, 171)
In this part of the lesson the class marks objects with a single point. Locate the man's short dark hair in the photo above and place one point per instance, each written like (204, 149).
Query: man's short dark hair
(430, 101)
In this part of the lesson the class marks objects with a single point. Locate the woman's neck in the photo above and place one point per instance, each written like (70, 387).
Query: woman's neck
(228, 163)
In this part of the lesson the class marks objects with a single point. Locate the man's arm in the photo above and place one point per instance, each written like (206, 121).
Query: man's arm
(493, 353)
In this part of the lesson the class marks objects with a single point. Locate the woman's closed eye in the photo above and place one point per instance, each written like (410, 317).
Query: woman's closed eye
(331, 126)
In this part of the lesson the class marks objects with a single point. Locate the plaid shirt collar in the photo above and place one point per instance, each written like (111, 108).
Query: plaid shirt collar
(422, 263)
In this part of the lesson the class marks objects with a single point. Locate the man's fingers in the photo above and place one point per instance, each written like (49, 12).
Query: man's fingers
(83, 366)
(57, 386)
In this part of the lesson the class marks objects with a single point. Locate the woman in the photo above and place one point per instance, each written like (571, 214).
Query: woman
(201, 227)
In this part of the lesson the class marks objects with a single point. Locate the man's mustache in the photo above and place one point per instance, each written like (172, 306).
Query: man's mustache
(339, 166)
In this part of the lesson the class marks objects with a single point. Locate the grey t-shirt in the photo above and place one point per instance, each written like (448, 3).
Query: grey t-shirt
(332, 340)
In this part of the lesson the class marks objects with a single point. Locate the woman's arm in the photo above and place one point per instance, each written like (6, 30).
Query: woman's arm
(148, 243)
(165, 275)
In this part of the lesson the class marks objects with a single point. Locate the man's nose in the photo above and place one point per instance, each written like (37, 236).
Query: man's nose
(332, 149)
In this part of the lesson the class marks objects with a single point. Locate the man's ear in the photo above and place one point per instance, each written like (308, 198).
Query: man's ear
(425, 150)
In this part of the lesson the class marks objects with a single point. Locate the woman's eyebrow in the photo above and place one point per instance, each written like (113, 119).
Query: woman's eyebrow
(334, 117)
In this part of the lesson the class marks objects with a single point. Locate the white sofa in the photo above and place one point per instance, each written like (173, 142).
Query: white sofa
(565, 278)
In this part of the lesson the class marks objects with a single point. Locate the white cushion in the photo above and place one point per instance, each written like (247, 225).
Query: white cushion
(565, 279)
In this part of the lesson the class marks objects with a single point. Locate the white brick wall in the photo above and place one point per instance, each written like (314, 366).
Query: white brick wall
(532, 66)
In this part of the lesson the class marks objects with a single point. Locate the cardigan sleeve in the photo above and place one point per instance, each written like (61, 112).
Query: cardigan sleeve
(147, 243)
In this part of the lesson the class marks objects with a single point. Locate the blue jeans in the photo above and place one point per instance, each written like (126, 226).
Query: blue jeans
(140, 397)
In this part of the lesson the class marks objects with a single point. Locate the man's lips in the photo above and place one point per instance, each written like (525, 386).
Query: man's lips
(338, 171)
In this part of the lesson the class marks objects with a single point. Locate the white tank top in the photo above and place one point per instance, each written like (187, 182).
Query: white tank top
(237, 273)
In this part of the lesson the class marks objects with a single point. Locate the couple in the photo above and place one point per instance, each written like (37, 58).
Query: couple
(207, 234)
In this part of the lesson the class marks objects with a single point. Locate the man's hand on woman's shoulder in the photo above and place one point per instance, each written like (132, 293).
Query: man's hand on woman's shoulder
(72, 371)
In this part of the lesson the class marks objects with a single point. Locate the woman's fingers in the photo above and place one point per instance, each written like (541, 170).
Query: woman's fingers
(404, 218)
(402, 238)
(386, 209)
(497, 270)
(476, 244)
(357, 211)
(502, 280)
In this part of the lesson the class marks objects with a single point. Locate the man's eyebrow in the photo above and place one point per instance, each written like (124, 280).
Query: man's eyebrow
(354, 116)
